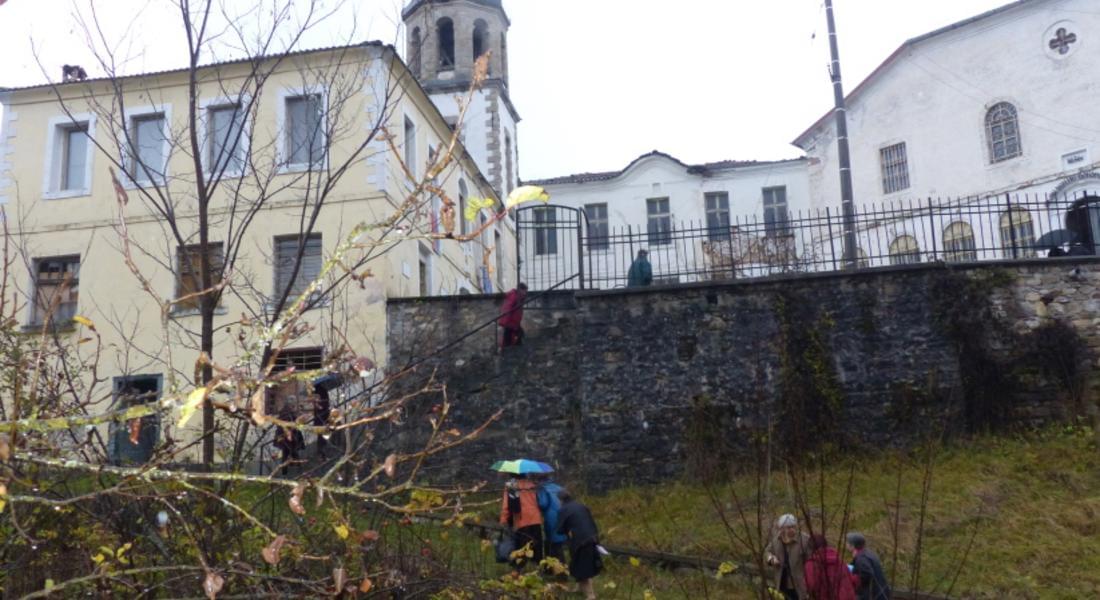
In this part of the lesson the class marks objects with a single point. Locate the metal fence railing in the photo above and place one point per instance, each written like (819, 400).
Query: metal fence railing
(560, 241)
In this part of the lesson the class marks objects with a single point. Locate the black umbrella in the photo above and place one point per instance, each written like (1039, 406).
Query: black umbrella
(1056, 238)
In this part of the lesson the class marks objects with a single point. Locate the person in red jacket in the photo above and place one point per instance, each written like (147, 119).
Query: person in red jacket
(511, 316)
(827, 577)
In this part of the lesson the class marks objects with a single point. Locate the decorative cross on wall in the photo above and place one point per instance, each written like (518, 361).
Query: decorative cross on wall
(1062, 40)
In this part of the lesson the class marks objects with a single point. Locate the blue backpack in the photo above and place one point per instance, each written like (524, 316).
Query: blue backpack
(550, 505)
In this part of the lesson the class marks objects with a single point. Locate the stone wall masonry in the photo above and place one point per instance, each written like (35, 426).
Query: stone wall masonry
(637, 386)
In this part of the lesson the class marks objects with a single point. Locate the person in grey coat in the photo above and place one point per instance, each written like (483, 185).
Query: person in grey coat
(867, 568)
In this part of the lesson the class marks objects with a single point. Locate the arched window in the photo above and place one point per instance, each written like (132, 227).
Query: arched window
(958, 242)
(414, 52)
(504, 57)
(1017, 233)
(445, 33)
(463, 193)
(904, 250)
(481, 38)
(1003, 130)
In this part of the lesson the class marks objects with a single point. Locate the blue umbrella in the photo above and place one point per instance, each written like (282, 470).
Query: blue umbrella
(521, 466)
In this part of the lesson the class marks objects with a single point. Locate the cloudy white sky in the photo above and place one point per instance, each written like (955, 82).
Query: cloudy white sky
(597, 82)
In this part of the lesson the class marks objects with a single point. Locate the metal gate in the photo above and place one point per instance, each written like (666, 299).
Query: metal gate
(548, 247)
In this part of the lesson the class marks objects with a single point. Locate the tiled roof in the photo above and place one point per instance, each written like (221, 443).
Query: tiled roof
(206, 66)
(699, 169)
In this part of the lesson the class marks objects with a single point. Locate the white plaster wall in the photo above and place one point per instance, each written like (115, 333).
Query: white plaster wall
(656, 177)
(936, 95)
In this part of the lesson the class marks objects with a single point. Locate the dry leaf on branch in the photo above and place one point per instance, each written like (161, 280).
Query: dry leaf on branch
(272, 550)
(366, 585)
(212, 584)
(339, 578)
(295, 501)
(390, 465)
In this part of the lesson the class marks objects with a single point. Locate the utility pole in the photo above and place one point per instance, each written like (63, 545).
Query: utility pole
(847, 203)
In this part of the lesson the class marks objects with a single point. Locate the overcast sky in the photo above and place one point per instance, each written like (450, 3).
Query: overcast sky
(596, 82)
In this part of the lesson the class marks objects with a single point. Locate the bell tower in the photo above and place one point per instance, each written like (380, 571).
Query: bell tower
(443, 39)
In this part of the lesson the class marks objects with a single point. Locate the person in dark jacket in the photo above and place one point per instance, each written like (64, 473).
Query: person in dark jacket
(511, 316)
(640, 273)
(575, 522)
(827, 577)
(867, 573)
(288, 440)
(322, 409)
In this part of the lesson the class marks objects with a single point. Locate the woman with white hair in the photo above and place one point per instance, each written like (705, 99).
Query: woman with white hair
(786, 555)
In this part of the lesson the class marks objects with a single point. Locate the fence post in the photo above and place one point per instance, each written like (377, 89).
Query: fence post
(932, 227)
(832, 246)
(733, 262)
(580, 245)
(1011, 224)
(519, 249)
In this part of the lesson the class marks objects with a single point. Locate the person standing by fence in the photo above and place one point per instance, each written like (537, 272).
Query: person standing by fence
(641, 272)
(511, 316)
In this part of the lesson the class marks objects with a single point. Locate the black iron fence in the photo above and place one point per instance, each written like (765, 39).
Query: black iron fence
(558, 242)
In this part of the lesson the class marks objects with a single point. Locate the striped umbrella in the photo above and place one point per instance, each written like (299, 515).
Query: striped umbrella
(521, 466)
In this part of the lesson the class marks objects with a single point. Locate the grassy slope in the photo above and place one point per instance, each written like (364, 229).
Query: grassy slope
(1031, 507)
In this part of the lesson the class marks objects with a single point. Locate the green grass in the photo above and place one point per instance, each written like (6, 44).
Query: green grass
(1029, 506)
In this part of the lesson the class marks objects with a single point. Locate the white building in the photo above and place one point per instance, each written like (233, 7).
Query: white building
(999, 109)
(690, 218)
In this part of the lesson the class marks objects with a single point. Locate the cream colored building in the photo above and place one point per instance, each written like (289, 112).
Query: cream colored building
(308, 121)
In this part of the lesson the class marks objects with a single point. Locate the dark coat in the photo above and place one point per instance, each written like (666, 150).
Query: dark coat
(576, 523)
(640, 273)
(867, 567)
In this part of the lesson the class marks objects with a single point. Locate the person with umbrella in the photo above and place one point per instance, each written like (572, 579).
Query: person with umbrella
(519, 508)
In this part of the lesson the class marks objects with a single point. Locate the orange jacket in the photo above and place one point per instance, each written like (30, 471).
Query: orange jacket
(529, 513)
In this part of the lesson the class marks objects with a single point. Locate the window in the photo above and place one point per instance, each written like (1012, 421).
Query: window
(498, 251)
(56, 289)
(658, 221)
(1003, 132)
(149, 158)
(958, 242)
(294, 393)
(598, 234)
(776, 219)
(410, 145)
(134, 441)
(414, 52)
(189, 275)
(904, 250)
(546, 236)
(481, 38)
(717, 205)
(507, 163)
(74, 158)
(304, 130)
(895, 168)
(287, 250)
(445, 32)
(226, 139)
(1017, 233)
(424, 272)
